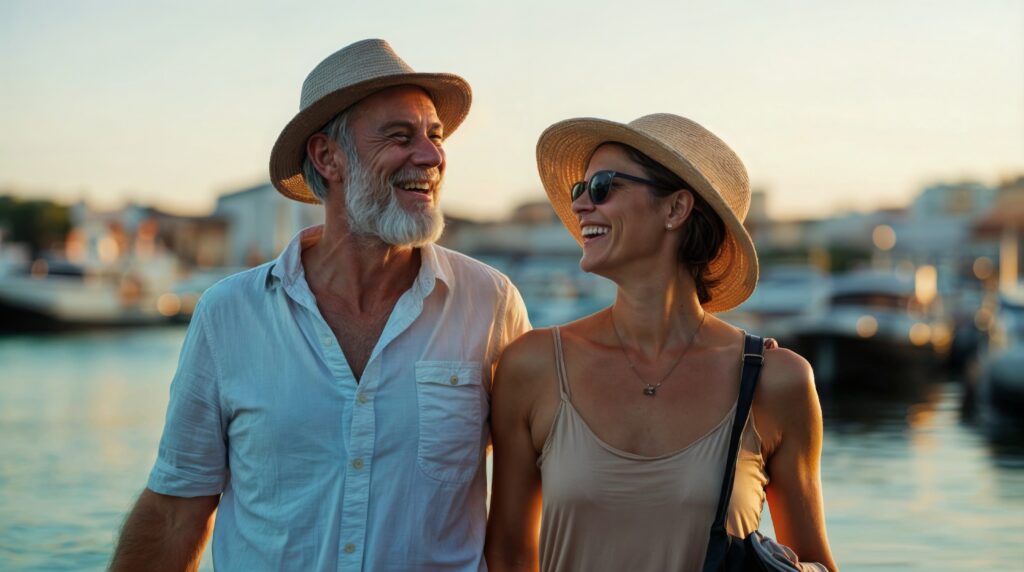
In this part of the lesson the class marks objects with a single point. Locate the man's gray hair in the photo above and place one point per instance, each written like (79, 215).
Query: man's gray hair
(337, 130)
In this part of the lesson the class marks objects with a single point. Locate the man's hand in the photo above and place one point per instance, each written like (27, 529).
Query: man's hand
(164, 533)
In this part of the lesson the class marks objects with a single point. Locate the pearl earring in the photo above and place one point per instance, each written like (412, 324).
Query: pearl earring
(668, 226)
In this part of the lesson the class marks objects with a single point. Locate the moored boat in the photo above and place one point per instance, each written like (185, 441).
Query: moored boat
(784, 295)
(61, 296)
(1000, 383)
(876, 332)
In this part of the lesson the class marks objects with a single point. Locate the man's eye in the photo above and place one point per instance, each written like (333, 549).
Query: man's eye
(401, 137)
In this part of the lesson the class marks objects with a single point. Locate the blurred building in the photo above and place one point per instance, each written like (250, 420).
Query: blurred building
(938, 224)
(260, 222)
(532, 229)
(1000, 229)
(935, 228)
(143, 234)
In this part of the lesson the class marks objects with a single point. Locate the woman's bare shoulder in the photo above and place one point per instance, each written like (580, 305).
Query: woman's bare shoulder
(786, 399)
(786, 374)
(524, 351)
(525, 364)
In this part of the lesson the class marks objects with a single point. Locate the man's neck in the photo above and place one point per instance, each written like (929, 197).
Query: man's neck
(358, 271)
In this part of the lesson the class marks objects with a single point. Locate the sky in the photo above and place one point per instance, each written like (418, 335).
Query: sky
(833, 105)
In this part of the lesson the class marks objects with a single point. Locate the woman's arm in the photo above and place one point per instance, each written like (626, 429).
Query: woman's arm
(791, 419)
(516, 491)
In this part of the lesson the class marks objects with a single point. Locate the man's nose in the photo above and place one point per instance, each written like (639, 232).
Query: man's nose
(428, 153)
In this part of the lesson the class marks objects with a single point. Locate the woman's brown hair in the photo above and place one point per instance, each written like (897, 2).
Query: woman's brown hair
(703, 232)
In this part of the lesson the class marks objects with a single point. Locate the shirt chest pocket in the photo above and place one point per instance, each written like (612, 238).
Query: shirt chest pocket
(451, 418)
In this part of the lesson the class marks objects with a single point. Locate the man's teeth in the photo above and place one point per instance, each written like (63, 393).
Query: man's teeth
(594, 230)
(418, 186)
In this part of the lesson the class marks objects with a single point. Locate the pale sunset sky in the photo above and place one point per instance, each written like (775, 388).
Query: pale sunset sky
(832, 104)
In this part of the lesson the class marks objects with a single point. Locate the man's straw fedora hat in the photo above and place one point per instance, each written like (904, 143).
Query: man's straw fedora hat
(693, 153)
(342, 79)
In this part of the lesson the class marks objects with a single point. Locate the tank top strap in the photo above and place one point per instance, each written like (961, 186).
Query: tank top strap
(563, 378)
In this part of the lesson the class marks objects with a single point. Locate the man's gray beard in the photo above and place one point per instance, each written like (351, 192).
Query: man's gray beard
(372, 207)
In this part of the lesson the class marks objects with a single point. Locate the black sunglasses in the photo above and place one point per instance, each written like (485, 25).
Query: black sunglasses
(600, 185)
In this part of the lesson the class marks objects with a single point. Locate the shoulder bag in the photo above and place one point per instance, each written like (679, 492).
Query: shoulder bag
(756, 552)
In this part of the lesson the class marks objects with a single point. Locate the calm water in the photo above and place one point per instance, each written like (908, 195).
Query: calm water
(909, 484)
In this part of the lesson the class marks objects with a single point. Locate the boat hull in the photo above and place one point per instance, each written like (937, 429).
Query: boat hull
(872, 365)
(1001, 388)
(55, 304)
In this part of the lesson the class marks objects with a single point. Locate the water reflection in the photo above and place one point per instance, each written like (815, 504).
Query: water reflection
(80, 416)
(911, 484)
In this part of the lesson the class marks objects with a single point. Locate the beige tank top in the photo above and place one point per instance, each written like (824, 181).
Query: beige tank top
(607, 509)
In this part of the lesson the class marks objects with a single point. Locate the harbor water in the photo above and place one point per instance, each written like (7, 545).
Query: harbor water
(910, 483)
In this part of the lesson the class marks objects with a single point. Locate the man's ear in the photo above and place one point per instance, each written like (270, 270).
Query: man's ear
(680, 207)
(326, 157)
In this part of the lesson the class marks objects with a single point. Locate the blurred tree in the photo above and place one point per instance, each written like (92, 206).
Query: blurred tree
(845, 258)
(777, 256)
(832, 259)
(40, 224)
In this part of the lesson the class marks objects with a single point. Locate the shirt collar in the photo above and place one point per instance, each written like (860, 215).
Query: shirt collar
(287, 269)
(434, 267)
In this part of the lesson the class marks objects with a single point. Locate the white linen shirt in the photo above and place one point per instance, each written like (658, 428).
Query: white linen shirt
(317, 471)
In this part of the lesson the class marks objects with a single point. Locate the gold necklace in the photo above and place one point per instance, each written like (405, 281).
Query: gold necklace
(651, 389)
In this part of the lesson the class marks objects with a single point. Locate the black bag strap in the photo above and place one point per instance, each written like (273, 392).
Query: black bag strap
(753, 357)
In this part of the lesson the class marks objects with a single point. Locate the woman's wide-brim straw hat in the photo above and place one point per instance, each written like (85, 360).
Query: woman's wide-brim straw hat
(341, 80)
(690, 151)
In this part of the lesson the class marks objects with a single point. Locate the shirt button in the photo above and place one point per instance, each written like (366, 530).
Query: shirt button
(357, 464)
(362, 398)
(350, 548)
(328, 341)
(454, 380)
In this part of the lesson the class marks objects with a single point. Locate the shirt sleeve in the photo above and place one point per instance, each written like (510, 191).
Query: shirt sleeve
(516, 321)
(192, 459)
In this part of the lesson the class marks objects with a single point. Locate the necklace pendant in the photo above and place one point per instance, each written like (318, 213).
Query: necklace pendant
(649, 390)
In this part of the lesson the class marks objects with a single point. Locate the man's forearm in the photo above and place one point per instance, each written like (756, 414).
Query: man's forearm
(164, 533)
